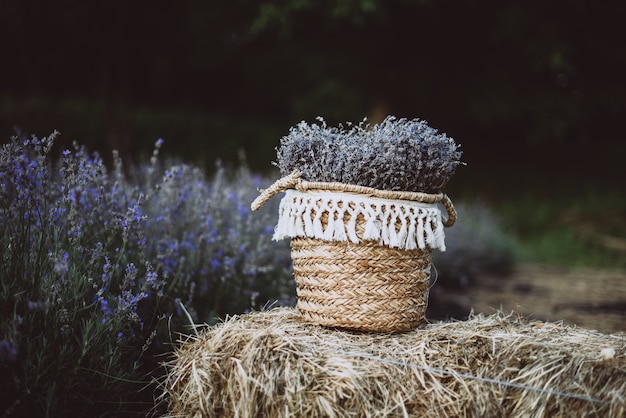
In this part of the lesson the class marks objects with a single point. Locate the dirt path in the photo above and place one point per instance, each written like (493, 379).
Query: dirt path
(589, 298)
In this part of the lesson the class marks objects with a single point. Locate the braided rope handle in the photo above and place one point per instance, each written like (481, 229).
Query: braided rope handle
(287, 182)
(293, 181)
(447, 203)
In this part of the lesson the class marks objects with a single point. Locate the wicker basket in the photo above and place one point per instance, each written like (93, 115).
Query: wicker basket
(361, 256)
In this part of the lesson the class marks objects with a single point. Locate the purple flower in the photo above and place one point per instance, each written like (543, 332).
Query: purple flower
(8, 352)
(104, 306)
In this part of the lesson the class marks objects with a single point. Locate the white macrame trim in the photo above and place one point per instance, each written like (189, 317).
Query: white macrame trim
(420, 223)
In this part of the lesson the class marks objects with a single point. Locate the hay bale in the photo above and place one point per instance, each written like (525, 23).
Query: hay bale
(272, 364)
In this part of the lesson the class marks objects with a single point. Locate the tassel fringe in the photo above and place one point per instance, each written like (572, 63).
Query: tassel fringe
(398, 224)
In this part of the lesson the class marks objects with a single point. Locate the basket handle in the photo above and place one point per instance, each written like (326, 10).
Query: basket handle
(293, 181)
(287, 182)
(447, 203)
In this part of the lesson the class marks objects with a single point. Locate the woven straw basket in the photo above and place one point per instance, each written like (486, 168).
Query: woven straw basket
(361, 256)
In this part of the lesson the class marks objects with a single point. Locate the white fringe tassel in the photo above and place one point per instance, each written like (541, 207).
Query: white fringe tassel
(420, 224)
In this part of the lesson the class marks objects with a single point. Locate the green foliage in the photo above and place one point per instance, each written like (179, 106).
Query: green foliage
(281, 16)
(554, 73)
(585, 230)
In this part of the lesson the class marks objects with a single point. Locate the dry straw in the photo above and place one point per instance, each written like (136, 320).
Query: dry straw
(272, 364)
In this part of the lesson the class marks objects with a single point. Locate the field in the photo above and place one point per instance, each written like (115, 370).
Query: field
(571, 267)
(587, 297)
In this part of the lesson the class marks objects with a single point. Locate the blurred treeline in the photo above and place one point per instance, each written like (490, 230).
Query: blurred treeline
(532, 90)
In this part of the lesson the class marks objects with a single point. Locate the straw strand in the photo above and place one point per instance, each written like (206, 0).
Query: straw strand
(472, 377)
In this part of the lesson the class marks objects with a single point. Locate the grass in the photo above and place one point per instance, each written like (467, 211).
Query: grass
(588, 230)
(563, 202)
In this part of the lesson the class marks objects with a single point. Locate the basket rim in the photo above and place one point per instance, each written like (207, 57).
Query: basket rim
(295, 181)
(421, 197)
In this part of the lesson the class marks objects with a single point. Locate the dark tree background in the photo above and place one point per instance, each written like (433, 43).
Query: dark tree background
(534, 91)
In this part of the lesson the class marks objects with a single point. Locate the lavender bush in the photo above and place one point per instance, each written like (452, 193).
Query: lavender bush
(398, 154)
(102, 268)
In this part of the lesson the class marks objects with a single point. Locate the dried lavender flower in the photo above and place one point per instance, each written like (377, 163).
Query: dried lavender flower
(397, 154)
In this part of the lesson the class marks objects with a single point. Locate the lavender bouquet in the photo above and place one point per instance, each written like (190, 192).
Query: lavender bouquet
(397, 154)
